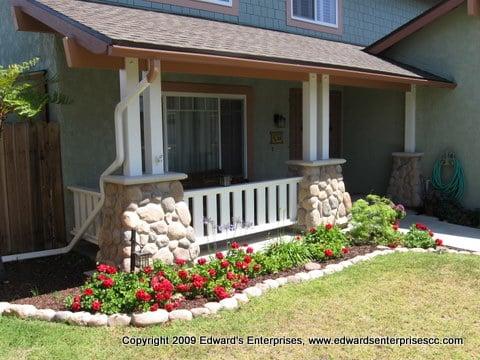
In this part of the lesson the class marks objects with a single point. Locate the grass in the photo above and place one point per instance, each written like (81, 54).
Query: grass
(426, 295)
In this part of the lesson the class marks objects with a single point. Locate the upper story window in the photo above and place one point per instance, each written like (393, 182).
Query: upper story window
(219, 2)
(323, 12)
(318, 15)
(228, 7)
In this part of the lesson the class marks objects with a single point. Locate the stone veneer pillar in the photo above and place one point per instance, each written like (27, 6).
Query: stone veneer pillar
(406, 180)
(322, 198)
(159, 215)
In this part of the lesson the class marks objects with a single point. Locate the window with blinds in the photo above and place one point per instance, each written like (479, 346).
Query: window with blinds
(323, 12)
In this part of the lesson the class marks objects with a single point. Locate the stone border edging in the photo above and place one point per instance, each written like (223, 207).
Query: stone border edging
(162, 316)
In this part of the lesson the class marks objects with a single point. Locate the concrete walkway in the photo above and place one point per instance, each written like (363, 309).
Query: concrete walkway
(461, 237)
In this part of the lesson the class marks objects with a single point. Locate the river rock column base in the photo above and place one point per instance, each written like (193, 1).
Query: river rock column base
(406, 180)
(322, 198)
(159, 215)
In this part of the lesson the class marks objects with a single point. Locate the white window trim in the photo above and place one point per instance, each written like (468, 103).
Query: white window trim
(316, 22)
(228, 3)
(211, 95)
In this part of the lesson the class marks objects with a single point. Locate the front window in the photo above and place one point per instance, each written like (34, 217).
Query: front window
(322, 12)
(205, 136)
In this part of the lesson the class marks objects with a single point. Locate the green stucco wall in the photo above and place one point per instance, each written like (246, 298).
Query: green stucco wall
(448, 119)
(373, 128)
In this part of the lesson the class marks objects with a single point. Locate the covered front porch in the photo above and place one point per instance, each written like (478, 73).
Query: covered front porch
(218, 141)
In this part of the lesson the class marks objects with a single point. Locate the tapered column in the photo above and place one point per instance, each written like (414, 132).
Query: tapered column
(129, 78)
(323, 112)
(153, 127)
(310, 118)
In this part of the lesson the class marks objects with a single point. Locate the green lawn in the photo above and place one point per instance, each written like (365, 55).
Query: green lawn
(427, 295)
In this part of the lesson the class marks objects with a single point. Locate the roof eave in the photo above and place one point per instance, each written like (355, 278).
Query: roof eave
(232, 61)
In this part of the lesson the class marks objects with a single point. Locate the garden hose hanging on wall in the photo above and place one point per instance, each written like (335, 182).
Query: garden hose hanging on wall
(455, 186)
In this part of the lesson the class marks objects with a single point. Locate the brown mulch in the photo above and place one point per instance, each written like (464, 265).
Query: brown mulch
(45, 283)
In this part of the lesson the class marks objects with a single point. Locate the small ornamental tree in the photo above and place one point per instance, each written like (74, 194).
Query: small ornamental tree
(25, 98)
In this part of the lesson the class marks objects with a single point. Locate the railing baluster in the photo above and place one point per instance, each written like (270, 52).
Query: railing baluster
(292, 201)
(197, 216)
(250, 206)
(212, 213)
(260, 205)
(282, 202)
(225, 210)
(237, 205)
(272, 203)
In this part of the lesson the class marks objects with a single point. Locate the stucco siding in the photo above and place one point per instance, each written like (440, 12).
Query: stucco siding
(364, 20)
(373, 128)
(448, 119)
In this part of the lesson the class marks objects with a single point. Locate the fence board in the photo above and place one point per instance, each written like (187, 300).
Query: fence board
(31, 189)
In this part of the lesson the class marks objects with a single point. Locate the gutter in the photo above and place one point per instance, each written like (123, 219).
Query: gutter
(153, 72)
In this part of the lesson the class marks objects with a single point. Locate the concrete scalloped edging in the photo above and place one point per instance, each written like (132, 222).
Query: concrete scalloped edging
(162, 316)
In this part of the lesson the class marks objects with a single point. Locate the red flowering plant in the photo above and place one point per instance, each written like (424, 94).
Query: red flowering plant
(326, 242)
(108, 292)
(420, 236)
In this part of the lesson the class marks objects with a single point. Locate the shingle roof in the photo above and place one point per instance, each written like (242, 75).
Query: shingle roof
(126, 26)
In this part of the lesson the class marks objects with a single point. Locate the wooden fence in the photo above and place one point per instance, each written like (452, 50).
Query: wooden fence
(31, 189)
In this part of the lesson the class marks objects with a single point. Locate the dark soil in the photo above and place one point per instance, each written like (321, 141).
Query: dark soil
(45, 283)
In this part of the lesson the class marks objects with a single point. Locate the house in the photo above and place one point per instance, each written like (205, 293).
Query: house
(231, 117)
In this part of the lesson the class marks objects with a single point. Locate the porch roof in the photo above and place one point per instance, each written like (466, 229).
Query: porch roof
(119, 31)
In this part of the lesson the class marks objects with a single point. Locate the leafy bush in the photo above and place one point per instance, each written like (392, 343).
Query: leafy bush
(326, 242)
(283, 255)
(372, 221)
(420, 236)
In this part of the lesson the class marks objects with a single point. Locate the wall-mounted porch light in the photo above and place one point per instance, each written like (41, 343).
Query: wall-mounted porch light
(279, 121)
(137, 258)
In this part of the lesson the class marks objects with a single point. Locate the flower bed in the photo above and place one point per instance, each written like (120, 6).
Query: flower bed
(217, 278)
(184, 290)
(162, 316)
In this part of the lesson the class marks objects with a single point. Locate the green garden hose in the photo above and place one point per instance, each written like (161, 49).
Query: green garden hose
(455, 186)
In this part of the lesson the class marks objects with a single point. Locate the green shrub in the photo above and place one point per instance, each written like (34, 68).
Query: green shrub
(326, 242)
(420, 236)
(283, 255)
(372, 220)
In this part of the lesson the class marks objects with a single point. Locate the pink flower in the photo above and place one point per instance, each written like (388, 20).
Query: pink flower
(202, 261)
(235, 245)
(329, 226)
(225, 264)
(219, 255)
(439, 242)
(345, 250)
(250, 250)
(212, 272)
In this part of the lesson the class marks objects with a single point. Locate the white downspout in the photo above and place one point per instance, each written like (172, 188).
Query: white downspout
(153, 71)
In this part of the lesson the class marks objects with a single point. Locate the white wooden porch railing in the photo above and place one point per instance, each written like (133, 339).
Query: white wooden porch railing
(223, 213)
(84, 201)
(218, 213)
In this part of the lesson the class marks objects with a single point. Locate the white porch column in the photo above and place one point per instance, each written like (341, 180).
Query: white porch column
(309, 120)
(153, 127)
(129, 78)
(410, 114)
(323, 125)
